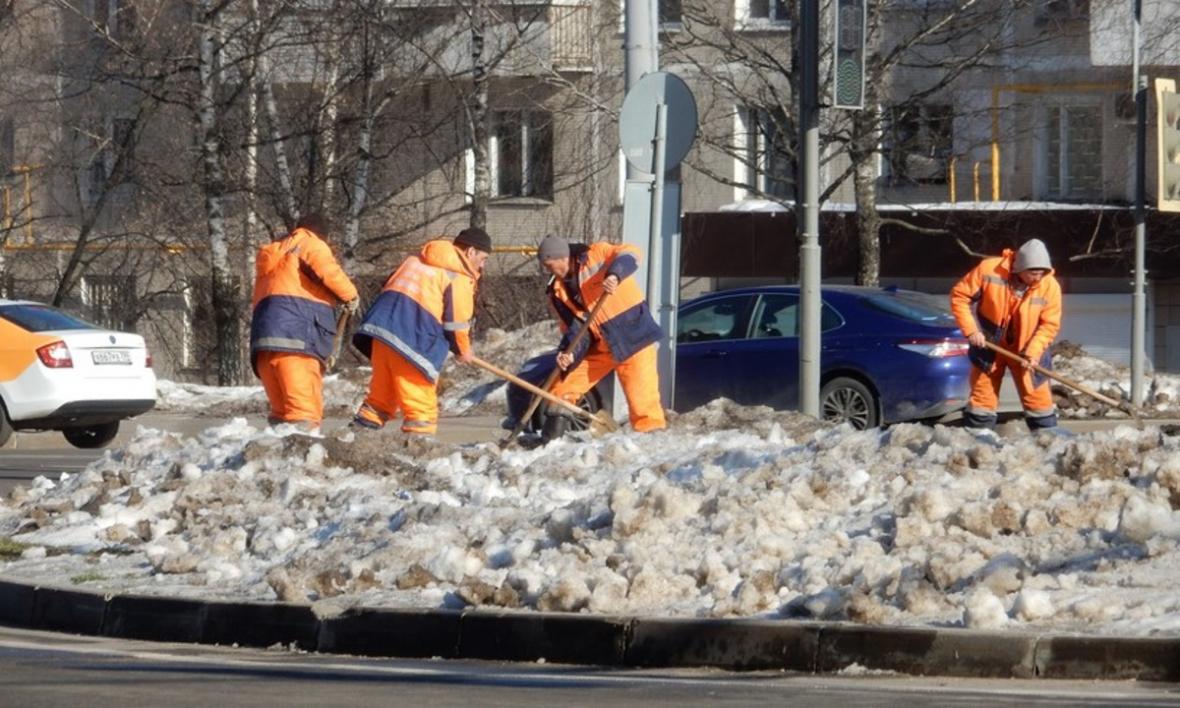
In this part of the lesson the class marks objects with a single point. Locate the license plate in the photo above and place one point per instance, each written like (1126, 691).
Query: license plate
(111, 356)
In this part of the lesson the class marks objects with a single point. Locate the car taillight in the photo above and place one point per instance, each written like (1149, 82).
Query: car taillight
(55, 355)
(936, 348)
(147, 358)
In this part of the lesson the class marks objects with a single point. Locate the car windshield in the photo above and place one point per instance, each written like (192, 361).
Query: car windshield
(41, 318)
(913, 306)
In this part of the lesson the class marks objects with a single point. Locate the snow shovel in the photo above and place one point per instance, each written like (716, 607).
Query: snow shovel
(337, 341)
(548, 385)
(600, 422)
(1121, 405)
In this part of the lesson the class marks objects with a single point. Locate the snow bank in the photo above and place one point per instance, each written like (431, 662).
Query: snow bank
(732, 511)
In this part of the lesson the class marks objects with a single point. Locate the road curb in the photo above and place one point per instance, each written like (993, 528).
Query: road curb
(930, 652)
(726, 644)
(404, 633)
(738, 644)
(529, 636)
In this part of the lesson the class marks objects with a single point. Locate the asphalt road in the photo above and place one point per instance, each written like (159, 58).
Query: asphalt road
(55, 670)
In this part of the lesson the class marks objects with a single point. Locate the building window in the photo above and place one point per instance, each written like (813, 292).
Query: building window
(760, 13)
(115, 137)
(1071, 152)
(111, 301)
(917, 143)
(1048, 12)
(764, 164)
(7, 146)
(521, 154)
(671, 13)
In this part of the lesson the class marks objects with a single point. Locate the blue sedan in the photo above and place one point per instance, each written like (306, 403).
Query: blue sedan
(887, 355)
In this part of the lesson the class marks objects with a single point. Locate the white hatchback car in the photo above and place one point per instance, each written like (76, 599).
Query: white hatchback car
(58, 372)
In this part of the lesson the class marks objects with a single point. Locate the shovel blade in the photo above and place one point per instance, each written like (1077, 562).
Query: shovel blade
(602, 423)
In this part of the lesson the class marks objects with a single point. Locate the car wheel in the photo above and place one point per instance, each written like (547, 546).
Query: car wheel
(591, 402)
(91, 436)
(5, 426)
(845, 400)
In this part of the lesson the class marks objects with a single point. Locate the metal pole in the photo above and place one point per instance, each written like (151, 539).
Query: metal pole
(640, 46)
(1138, 299)
(657, 298)
(808, 209)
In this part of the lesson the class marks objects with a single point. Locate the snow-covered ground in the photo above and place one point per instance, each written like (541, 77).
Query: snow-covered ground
(732, 511)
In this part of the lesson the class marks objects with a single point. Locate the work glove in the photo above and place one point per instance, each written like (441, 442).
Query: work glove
(352, 306)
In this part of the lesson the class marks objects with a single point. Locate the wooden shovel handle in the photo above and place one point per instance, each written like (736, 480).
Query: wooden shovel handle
(530, 387)
(341, 326)
(536, 400)
(1059, 378)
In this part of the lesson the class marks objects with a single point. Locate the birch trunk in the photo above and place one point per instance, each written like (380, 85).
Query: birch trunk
(478, 114)
(226, 287)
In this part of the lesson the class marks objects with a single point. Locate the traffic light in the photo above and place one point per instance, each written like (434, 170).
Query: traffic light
(848, 68)
(1167, 103)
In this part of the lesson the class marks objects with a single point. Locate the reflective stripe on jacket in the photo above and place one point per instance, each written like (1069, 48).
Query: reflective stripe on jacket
(624, 322)
(986, 301)
(425, 309)
(297, 282)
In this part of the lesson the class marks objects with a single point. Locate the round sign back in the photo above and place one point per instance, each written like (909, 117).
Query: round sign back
(637, 120)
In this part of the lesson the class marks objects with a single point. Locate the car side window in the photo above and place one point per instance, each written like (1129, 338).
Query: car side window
(829, 319)
(712, 321)
(776, 316)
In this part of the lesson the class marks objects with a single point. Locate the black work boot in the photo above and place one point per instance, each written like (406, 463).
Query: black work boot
(555, 426)
(977, 419)
(1040, 422)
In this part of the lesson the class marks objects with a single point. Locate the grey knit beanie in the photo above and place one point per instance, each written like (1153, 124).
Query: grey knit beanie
(553, 248)
(1032, 254)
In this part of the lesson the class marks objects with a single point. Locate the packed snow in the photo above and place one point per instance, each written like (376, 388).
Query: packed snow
(732, 512)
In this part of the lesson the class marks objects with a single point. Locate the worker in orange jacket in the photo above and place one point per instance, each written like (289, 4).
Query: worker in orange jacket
(1013, 301)
(424, 311)
(622, 337)
(297, 284)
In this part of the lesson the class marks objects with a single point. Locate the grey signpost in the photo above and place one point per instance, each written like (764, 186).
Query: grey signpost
(657, 126)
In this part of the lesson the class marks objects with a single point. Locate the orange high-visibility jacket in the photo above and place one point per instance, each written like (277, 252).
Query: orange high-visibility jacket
(425, 309)
(297, 283)
(986, 301)
(624, 322)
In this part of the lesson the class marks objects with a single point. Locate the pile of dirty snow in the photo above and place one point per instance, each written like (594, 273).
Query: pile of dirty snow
(731, 512)
(1161, 399)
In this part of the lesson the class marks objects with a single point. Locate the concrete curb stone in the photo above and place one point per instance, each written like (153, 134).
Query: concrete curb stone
(16, 603)
(160, 619)
(259, 624)
(931, 652)
(738, 644)
(722, 643)
(405, 633)
(68, 611)
(529, 636)
(1144, 659)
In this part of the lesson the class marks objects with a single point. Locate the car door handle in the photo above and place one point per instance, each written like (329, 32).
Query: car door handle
(716, 354)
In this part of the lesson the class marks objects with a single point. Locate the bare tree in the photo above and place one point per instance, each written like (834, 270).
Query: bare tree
(921, 52)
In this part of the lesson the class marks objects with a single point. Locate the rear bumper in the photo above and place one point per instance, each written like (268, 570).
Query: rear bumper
(945, 391)
(82, 413)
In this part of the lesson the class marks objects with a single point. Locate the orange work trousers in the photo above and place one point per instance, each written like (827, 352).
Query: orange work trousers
(985, 390)
(294, 385)
(398, 386)
(638, 375)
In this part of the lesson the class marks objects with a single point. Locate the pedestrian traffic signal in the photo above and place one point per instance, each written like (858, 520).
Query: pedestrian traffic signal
(1167, 103)
(848, 53)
